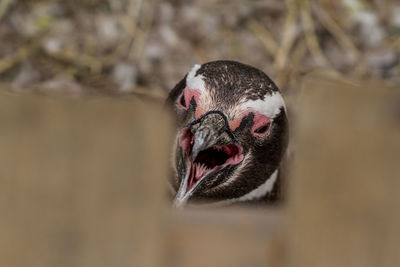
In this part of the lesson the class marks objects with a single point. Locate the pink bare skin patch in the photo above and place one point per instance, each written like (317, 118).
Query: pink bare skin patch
(261, 125)
(187, 95)
(235, 123)
(186, 140)
(199, 111)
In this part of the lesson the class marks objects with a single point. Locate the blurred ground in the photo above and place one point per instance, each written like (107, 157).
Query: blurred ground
(122, 46)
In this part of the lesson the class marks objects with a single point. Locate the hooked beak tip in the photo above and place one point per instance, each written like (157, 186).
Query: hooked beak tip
(178, 204)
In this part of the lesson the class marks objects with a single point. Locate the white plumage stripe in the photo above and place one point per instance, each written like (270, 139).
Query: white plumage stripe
(255, 194)
(270, 106)
(195, 82)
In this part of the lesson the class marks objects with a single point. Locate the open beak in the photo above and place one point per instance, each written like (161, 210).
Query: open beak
(204, 154)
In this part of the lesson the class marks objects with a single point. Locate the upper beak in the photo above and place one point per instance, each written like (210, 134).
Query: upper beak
(203, 138)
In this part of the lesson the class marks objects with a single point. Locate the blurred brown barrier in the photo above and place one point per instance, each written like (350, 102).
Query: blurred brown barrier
(228, 237)
(81, 182)
(344, 197)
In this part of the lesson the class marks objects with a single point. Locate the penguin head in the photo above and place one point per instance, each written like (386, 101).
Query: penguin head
(231, 134)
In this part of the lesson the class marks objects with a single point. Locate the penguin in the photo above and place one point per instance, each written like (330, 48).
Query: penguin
(231, 138)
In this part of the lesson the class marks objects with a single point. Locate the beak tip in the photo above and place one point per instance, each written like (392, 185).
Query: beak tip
(177, 205)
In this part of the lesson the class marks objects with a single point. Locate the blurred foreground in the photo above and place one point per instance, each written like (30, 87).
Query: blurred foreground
(82, 184)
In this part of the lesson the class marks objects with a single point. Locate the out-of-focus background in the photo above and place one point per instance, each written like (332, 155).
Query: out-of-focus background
(119, 46)
(83, 179)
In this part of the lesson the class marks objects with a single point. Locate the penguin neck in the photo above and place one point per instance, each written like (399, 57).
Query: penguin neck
(256, 194)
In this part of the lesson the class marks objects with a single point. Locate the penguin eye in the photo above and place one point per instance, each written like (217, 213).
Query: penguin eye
(261, 125)
(262, 130)
(182, 101)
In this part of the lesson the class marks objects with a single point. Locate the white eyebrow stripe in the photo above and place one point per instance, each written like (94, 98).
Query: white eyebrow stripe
(270, 106)
(194, 81)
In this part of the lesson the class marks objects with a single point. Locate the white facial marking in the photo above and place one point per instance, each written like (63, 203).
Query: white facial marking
(269, 106)
(262, 190)
(194, 81)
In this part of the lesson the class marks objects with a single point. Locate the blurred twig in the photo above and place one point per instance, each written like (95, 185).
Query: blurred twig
(342, 38)
(136, 25)
(145, 20)
(298, 53)
(79, 59)
(394, 43)
(21, 54)
(144, 92)
(335, 30)
(263, 34)
(290, 73)
(289, 34)
(4, 4)
(309, 31)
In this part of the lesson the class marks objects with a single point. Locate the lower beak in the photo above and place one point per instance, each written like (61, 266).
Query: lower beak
(182, 196)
